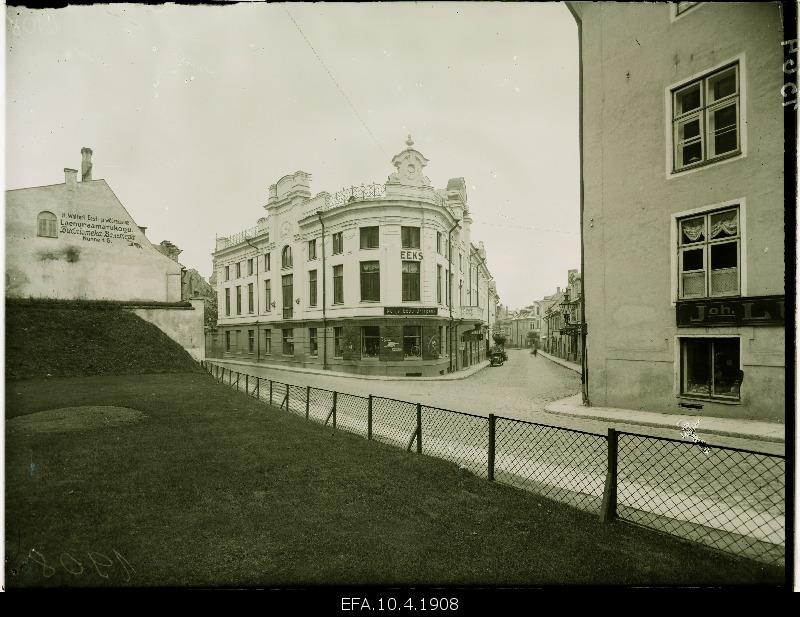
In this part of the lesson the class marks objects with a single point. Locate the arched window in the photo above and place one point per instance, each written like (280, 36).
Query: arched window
(286, 257)
(47, 225)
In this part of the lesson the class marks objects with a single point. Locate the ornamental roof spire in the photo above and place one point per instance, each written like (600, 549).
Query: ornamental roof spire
(409, 141)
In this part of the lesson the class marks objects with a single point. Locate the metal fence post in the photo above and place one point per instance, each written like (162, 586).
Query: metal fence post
(258, 387)
(308, 398)
(270, 392)
(419, 428)
(608, 510)
(369, 418)
(247, 383)
(335, 396)
(492, 422)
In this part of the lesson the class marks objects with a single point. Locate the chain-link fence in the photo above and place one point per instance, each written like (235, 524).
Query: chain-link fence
(730, 499)
(733, 500)
(561, 464)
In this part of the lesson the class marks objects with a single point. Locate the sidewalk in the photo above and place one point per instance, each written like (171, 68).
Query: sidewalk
(565, 363)
(729, 427)
(463, 374)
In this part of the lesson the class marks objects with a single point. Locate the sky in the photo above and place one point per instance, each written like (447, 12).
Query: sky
(194, 111)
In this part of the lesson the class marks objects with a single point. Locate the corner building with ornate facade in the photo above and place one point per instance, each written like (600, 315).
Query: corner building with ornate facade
(372, 280)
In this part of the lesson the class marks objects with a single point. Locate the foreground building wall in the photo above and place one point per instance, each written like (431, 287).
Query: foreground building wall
(683, 207)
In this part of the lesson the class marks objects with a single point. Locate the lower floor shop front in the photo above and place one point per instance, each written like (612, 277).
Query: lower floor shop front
(401, 346)
(735, 372)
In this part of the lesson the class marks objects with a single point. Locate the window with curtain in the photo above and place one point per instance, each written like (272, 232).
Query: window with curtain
(411, 291)
(705, 119)
(709, 254)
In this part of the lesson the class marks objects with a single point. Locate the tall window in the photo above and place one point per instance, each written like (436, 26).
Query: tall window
(412, 341)
(288, 341)
(250, 307)
(227, 273)
(227, 340)
(460, 263)
(370, 341)
(409, 237)
(267, 262)
(238, 300)
(447, 286)
(705, 119)
(338, 285)
(369, 238)
(268, 294)
(227, 300)
(312, 288)
(438, 284)
(411, 281)
(286, 257)
(338, 243)
(238, 270)
(313, 348)
(312, 249)
(710, 368)
(251, 341)
(267, 341)
(338, 348)
(249, 267)
(441, 341)
(439, 242)
(288, 296)
(370, 281)
(47, 225)
(709, 254)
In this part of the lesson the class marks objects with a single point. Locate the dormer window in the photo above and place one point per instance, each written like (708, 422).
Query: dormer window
(47, 225)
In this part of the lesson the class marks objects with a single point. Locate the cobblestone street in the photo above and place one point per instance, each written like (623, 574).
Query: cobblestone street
(518, 389)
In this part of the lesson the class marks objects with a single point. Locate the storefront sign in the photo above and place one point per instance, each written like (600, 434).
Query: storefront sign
(411, 255)
(753, 311)
(409, 310)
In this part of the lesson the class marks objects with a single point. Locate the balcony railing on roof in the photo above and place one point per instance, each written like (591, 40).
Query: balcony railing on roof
(356, 193)
(239, 237)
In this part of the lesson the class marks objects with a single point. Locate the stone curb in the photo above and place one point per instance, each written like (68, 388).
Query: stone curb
(301, 371)
(569, 406)
(566, 364)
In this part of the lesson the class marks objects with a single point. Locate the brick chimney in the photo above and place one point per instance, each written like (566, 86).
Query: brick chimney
(86, 164)
(70, 177)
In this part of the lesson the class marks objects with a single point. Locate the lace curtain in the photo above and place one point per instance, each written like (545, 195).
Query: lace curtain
(693, 229)
(726, 222)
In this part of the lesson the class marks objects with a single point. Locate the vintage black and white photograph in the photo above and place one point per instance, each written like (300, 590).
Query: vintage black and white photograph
(417, 298)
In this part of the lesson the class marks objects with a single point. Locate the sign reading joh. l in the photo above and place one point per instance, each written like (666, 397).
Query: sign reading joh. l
(753, 311)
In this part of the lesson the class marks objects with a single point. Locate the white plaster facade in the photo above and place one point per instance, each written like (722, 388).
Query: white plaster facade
(295, 219)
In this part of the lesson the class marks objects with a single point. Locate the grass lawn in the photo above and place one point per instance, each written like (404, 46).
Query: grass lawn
(214, 488)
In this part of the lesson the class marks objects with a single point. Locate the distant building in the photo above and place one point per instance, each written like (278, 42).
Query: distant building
(378, 280)
(76, 241)
(563, 317)
(683, 206)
